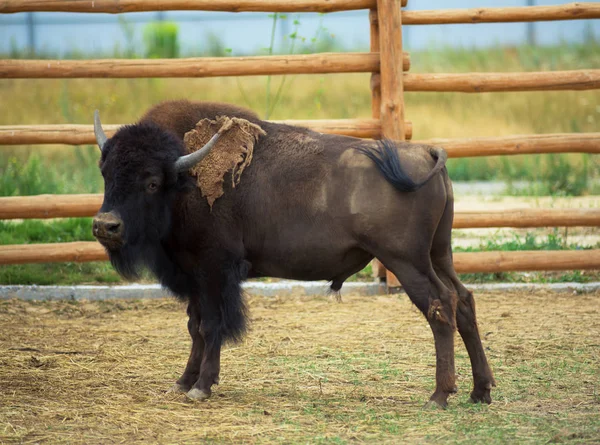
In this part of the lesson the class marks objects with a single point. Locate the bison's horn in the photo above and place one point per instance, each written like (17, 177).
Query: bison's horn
(98, 131)
(186, 162)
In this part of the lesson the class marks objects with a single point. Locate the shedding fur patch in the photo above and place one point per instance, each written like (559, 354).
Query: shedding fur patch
(231, 153)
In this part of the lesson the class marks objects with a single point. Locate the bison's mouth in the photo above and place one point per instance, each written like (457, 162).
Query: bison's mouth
(110, 244)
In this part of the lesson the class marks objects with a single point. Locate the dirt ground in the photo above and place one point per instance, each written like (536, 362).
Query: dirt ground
(310, 371)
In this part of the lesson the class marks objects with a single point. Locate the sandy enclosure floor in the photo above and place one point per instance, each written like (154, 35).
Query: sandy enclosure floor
(310, 371)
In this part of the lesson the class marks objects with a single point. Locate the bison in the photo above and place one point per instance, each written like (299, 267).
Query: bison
(311, 206)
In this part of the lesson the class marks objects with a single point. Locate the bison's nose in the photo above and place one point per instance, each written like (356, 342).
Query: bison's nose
(108, 229)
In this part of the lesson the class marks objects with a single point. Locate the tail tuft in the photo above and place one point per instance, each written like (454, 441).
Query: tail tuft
(385, 156)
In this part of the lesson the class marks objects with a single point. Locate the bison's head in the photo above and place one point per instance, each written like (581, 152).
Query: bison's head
(144, 168)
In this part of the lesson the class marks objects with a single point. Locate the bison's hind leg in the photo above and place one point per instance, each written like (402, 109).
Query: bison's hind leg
(438, 304)
(466, 318)
(441, 257)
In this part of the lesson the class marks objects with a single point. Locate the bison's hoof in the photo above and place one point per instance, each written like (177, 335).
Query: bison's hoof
(197, 394)
(432, 405)
(481, 393)
(177, 389)
(481, 397)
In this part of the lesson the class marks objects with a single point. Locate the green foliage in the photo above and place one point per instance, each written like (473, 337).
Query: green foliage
(564, 178)
(553, 174)
(322, 41)
(27, 179)
(59, 273)
(214, 46)
(529, 241)
(35, 175)
(128, 31)
(510, 58)
(161, 40)
(34, 231)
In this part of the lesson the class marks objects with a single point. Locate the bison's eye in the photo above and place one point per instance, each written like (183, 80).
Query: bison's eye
(152, 185)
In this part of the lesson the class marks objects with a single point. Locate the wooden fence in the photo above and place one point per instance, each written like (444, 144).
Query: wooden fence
(390, 78)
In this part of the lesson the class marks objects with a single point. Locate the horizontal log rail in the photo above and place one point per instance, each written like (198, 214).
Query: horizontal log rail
(503, 82)
(74, 134)
(67, 206)
(464, 262)
(360, 128)
(320, 63)
(518, 144)
(79, 251)
(365, 128)
(569, 11)
(522, 218)
(50, 206)
(489, 262)
(120, 6)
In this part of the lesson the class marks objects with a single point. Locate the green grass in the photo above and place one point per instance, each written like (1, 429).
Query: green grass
(34, 231)
(64, 274)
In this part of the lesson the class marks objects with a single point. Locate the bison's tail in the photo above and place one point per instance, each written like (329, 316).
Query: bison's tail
(385, 156)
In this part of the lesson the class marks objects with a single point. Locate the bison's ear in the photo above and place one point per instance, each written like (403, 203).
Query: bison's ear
(184, 163)
(98, 131)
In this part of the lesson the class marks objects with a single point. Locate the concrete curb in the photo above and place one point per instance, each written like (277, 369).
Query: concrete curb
(281, 288)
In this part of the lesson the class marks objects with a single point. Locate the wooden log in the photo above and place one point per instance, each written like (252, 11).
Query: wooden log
(464, 262)
(521, 218)
(379, 270)
(519, 144)
(569, 11)
(74, 134)
(392, 95)
(503, 82)
(120, 6)
(389, 19)
(49, 206)
(80, 251)
(65, 206)
(375, 77)
(480, 262)
(360, 128)
(194, 67)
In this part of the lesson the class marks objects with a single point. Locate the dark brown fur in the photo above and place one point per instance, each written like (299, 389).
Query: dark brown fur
(311, 206)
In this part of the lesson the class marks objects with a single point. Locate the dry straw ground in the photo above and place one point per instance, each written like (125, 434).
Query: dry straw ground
(310, 371)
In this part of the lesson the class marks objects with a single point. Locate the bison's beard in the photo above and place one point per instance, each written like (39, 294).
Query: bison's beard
(130, 261)
(142, 250)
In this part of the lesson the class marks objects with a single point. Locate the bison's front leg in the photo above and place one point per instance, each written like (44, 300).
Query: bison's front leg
(211, 364)
(223, 319)
(192, 370)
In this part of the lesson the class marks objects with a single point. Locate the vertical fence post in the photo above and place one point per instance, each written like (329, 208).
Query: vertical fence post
(389, 14)
(378, 268)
